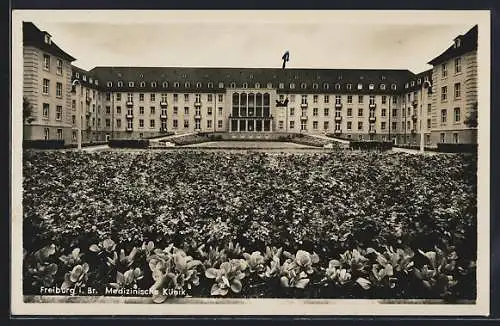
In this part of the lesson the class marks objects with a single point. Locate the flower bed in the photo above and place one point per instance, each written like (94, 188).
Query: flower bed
(313, 141)
(330, 225)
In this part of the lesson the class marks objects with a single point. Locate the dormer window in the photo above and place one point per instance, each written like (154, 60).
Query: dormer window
(269, 85)
(77, 75)
(315, 86)
(233, 85)
(164, 84)
(221, 85)
(257, 85)
(143, 84)
(360, 86)
(210, 85)
(245, 85)
(292, 86)
(281, 85)
(176, 84)
(47, 38)
(406, 85)
(349, 86)
(84, 78)
(110, 84)
(457, 42)
(95, 82)
(382, 86)
(198, 85)
(412, 83)
(130, 84)
(153, 84)
(419, 81)
(120, 84)
(383, 77)
(393, 86)
(326, 86)
(303, 85)
(371, 87)
(187, 85)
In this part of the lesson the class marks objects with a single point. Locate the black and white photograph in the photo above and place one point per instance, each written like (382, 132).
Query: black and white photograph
(250, 162)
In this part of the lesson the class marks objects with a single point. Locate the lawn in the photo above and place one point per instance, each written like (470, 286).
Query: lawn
(337, 224)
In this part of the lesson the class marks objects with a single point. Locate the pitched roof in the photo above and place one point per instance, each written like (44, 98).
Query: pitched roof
(310, 80)
(468, 42)
(32, 36)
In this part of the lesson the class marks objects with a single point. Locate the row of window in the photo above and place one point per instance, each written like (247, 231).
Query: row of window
(46, 88)
(46, 64)
(46, 111)
(457, 66)
(281, 85)
(457, 92)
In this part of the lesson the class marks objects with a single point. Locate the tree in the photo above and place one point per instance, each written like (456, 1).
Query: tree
(27, 111)
(471, 120)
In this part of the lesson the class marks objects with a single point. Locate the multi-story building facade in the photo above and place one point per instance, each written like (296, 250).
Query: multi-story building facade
(47, 77)
(398, 105)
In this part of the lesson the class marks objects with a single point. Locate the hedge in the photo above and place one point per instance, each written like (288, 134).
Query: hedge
(43, 144)
(371, 145)
(129, 143)
(457, 148)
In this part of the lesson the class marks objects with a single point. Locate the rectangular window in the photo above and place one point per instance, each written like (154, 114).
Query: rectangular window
(443, 116)
(349, 112)
(326, 112)
(280, 124)
(45, 111)
(315, 125)
(73, 119)
(394, 100)
(46, 62)
(383, 112)
(458, 65)
(118, 110)
(442, 137)
(152, 110)
(108, 123)
(186, 110)
(186, 124)
(141, 123)
(175, 124)
(176, 97)
(152, 97)
(382, 125)
(220, 97)
(141, 110)
(45, 86)
(372, 99)
(444, 70)
(360, 98)
(325, 125)
(209, 97)
(46, 133)
(315, 99)
(176, 110)
(456, 113)
(220, 110)
(292, 124)
(186, 97)
(327, 99)
(455, 138)
(360, 125)
(292, 111)
(360, 112)
(429, 109)
(130, 124)
(59, 67)
(108, 109)
(219, 124)
(384, 99)
(130, 97)
(304, 99)
(349, 125)
(151, 123)
(118, 96)
(394, 125)
(457, 90)
(209, 124)
(59, 112)
(444, 93)
(59, 134)
(349, 99)
(209, 110)
(428, 123)
(141, 97)
(315, 112)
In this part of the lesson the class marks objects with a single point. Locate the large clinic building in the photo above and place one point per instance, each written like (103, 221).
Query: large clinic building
(143, 102)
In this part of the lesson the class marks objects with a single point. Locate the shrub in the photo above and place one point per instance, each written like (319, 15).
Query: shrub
(129, 143)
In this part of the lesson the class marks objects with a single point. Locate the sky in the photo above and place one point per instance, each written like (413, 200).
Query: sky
(247, 43)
